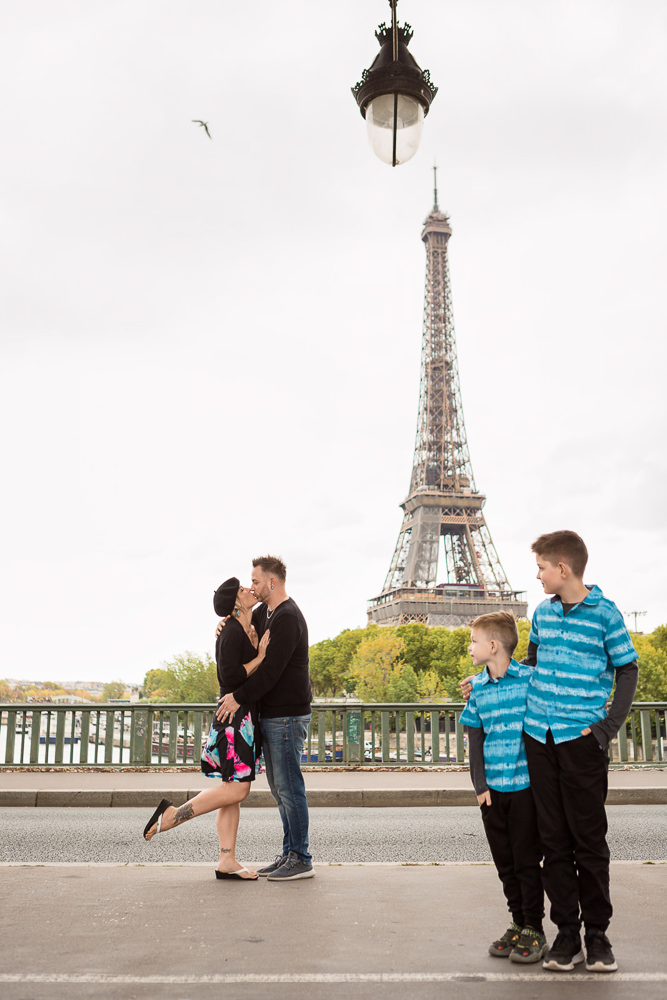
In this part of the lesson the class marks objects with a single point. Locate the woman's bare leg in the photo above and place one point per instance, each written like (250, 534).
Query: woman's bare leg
(226, 794)
(227, 824)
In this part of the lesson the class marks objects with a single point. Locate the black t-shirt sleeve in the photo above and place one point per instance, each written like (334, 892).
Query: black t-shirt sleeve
(476, 738)
(624, 693)
(530, 659)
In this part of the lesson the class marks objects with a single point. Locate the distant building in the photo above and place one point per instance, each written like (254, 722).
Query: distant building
(68, 699)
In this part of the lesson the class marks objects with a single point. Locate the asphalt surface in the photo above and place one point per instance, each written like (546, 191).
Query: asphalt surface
(104, 932)
(353, 836)
(404, 899)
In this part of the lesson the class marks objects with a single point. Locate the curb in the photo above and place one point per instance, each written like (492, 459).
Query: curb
(386, 798)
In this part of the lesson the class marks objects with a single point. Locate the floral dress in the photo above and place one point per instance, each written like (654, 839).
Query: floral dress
(233, 748)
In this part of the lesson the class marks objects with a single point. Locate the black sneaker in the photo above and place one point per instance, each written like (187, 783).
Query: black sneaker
(599, 956)
(279, 860)
(503, 946)
(292, 868)
(564, 953)
(530, 947)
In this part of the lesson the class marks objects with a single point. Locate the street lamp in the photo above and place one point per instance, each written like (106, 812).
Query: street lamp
(394, 95)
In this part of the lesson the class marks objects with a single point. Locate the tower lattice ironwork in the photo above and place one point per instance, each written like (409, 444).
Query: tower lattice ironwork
(443, 502)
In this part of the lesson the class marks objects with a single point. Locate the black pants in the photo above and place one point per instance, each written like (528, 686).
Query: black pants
(511, 830)
(569, 782)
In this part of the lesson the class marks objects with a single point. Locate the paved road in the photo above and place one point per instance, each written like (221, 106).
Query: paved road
(358, 932)
(637, 833)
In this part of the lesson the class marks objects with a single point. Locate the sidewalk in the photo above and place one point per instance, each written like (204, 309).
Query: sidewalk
(359, 788)
(104, 932)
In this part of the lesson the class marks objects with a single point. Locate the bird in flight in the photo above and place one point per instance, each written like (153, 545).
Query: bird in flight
(204, 125)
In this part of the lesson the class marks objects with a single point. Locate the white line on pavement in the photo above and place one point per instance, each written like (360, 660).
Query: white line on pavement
(99, 979)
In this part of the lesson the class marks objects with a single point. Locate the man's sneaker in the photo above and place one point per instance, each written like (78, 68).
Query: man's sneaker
(503, 946)
(564, 953)
(530, 947)
(278, 861)
(599, 956)
(292, 868)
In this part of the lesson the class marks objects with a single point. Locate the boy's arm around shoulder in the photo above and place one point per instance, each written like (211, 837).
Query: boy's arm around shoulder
(467, 683)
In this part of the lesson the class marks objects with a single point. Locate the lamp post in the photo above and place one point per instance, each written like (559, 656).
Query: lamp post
(394, 95)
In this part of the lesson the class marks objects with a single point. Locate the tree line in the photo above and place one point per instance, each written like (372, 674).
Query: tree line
(46, 691)
(403, 663)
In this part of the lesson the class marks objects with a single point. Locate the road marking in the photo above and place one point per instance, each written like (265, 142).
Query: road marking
(660, 862)
(99, 979)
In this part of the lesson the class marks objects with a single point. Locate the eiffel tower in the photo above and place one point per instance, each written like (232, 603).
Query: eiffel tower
(443, 502)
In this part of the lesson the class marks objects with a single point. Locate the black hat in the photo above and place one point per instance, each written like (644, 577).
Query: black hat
(225, 597)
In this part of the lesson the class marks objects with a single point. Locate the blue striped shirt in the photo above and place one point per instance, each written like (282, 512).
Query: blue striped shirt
(576, 658)
(498, 705)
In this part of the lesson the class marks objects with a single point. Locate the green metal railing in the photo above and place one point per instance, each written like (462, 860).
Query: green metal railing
(341, 734)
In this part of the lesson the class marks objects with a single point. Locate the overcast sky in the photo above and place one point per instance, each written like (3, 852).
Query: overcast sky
(210, 347)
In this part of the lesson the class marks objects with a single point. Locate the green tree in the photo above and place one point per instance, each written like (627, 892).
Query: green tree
(8, 693)
(34, 691)
(112, 691)
(451, 652)
(431, 687)
(421, 643)
(659, 638)
(652, 683)
(193, 679)
(347, 643)
(330, 661)
(403, 683)
(376, 659)
(156, 682)
(82, 693)
(323, 669)
(523, 627)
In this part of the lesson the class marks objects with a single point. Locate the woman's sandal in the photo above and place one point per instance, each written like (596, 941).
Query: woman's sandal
(237, 874)
(157, 815)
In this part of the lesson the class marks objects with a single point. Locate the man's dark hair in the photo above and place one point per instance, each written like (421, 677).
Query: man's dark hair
(563, 546)
(272, 566)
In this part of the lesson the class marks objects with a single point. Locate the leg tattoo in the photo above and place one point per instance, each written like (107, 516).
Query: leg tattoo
(183, 813)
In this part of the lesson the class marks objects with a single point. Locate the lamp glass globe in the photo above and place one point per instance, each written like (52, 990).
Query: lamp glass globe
(381, 122)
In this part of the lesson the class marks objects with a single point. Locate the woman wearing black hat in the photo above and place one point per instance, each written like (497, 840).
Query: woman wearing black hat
(232, 750)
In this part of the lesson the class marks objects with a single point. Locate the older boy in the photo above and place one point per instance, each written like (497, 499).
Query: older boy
(493, 719)
(578, 645)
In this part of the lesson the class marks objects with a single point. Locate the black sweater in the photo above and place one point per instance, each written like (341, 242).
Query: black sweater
(281, 683)
(233, 649)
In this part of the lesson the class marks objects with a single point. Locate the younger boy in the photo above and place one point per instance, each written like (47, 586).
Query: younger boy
(494, 719)
(578, 645)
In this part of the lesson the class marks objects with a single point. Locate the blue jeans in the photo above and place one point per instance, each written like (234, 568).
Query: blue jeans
(283, 741)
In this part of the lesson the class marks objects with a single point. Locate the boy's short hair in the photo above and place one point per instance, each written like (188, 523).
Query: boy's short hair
(272, 566)
(563, 546)
(501, 626)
